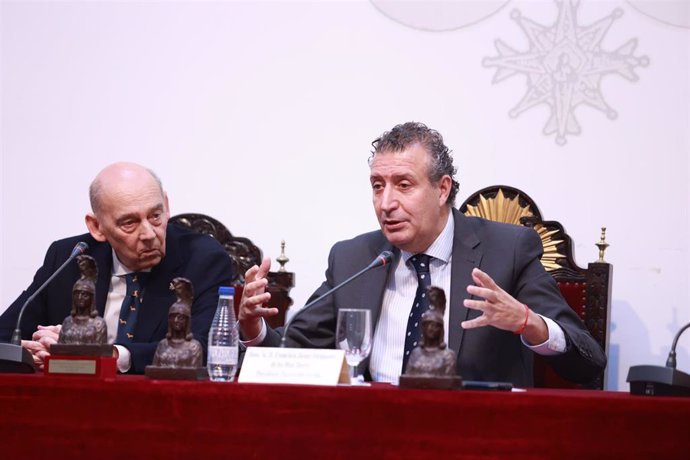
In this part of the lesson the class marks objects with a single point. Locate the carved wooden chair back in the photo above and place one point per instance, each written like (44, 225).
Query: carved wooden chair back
(586, 290)
(244, 254)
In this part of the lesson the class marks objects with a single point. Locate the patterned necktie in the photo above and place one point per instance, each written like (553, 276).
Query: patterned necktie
(420, 305)
(130, 307)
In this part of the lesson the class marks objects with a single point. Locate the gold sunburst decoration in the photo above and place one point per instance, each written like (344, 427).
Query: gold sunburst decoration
(508, 210)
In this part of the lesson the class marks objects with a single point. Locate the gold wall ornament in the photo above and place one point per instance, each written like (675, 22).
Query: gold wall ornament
(602, 245)
(282, 258)
(501, 208)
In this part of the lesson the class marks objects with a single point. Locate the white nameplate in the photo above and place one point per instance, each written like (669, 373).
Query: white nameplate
(306, 366)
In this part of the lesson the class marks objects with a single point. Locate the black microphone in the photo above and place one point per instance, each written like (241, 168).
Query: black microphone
(14, 358)
(381, 260)
(661, 380)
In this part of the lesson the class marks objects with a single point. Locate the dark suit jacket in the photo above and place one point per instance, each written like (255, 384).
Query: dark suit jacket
(509, 254)
(197, 257)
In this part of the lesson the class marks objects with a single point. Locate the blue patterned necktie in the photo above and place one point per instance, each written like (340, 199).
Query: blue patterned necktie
(420, 305)
(130, 307)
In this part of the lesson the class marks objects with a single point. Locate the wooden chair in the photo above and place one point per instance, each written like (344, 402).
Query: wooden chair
(586, 290)
(244, 254)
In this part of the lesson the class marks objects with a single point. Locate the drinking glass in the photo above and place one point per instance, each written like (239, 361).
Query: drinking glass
(353, 334)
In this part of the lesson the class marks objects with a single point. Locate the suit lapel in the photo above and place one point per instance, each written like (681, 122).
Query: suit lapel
(371, 296)
(466, 255)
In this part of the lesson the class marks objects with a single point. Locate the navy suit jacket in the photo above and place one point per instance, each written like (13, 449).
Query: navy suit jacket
(199, 258)
(509, 254)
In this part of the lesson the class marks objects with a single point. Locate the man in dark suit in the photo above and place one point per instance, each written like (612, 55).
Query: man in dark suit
(503, 305)
(129, 236)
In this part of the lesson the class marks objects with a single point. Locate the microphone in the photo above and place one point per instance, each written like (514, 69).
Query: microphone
(381, 260)
(661, 380)
(14, 358)
(79, 249)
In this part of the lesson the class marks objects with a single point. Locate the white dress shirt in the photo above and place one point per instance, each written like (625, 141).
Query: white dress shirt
(387, 350)
(113, 304)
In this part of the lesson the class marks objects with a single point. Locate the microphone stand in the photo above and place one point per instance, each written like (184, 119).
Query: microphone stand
(13, 357)
(660, 380)
(381, 260)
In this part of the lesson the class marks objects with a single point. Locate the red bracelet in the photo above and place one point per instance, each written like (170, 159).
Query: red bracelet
(524, 325)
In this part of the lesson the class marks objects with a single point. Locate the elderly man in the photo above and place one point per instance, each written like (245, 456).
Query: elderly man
(138, 254)
(503, 305)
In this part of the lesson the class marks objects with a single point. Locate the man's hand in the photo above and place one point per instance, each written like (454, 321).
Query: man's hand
(40, 343)
(254, 295)
(502, 311)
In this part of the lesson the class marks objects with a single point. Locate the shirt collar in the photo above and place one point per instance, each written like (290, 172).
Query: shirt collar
(119, 269)
(442, 247)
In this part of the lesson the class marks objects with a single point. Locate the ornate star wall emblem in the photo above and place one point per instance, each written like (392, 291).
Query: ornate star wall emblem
(564, 66)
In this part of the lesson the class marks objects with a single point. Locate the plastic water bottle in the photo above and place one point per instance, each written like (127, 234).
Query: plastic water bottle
(223, 339)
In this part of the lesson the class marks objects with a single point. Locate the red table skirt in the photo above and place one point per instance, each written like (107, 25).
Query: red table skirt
(131, 417)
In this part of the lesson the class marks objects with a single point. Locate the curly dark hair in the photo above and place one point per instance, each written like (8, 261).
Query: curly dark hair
(404, 135)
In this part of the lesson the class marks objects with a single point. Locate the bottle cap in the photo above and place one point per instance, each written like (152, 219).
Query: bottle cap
(225, 290)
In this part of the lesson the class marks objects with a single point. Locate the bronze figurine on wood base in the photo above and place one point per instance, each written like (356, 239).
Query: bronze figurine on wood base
(84, 333)
(179, 355)
(432, 364)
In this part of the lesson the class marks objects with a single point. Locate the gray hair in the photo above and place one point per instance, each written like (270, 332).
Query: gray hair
(404, 135)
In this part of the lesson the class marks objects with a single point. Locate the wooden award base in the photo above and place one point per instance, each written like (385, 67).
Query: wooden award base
(176, 373)
(430, 383)
(81, 350)
(82, 360)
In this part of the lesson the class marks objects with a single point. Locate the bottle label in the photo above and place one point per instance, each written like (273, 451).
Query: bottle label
(222, 355)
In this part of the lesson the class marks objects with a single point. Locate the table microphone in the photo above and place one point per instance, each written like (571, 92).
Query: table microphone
(14, 358)
(661, 380)
(381, 260)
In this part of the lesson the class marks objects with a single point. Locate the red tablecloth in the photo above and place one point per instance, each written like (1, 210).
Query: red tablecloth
(131, 417)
